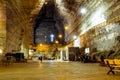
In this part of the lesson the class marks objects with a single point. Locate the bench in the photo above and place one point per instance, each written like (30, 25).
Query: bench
(113, 64)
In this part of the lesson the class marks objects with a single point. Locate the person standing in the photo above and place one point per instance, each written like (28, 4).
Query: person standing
(40, 58)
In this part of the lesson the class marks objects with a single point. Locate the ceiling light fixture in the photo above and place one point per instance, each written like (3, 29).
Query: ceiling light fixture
(83, 10)
(46, 2)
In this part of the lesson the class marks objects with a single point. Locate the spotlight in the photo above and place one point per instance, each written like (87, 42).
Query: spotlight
(83, 10)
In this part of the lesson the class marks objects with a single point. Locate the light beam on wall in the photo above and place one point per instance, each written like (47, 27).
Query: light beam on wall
(77, 42)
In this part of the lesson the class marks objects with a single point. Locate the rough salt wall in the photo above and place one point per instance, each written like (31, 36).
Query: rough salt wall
(104, 40)
(49, 21)
(18, 26)
(85, 25)
(2, 25)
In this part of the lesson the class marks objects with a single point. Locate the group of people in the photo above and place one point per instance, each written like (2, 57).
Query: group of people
(88, 58)
(85, 58)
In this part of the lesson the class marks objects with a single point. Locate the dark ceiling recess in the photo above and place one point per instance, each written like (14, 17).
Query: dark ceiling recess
(48, 22)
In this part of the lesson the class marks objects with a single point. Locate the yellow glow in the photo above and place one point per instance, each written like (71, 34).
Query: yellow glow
(30, 57)
(1, 51)
(44, 48)
(56, 42)
(46, 2)
(41, 45)
(66, 47)
(66, 27)
(60, 35)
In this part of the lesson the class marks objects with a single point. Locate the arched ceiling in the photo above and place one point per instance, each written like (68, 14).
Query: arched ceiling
(21, 14)
(50, 19)
(18, 26)
(61, 12)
